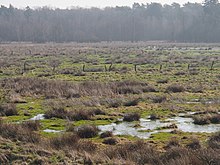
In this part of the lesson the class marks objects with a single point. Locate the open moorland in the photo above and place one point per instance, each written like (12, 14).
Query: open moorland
(110, 103)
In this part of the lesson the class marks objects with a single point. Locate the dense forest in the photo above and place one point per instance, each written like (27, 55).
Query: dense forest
(192, 22)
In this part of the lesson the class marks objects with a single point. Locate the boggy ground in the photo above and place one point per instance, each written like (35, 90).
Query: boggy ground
(78, 87)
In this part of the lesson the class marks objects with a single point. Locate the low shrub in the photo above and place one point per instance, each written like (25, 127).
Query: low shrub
(129, 90)
(131, 117)
(114, 103)
(149, 89)
(194, 144)
(201, 120)
(80, 115)
(31, 125)
(98, 112)
(154, 117)
(135, 153)
(172, 143)
(207, 119)
(162, 81)
(215, 119)
(60, 112)
(180, 73)
(214, 141)
(64, 141)
(132, 87)
(86, 146)
(110, 141)
(174, 154)
(131, 83)
(132, 102)
(159, 99)
(106, 134)
(175, 88)
(8, 110)
(80, 74)
(57, 112)
(87, 131)
(18, 132)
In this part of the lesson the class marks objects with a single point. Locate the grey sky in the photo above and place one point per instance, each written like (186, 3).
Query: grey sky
(85, 3)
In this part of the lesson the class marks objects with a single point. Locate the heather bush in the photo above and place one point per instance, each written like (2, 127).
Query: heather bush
(106, 134)
(69, 140)
(214, 141)
(87, 131)
(8, 110)
(131, 117)
(110, 141)
(175, 88)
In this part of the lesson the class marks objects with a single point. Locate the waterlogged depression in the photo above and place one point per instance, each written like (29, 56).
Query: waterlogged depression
(149, 127)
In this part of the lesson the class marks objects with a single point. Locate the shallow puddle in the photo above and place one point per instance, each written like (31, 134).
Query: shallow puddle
(148, 127)
(38, 117)
(51, 131)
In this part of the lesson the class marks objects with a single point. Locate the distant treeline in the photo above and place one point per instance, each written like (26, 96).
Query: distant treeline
(192, 22)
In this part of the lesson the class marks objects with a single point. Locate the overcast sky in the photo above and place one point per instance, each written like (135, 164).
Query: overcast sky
(85, 3)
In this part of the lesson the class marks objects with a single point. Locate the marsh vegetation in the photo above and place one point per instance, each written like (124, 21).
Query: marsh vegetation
(110, 103)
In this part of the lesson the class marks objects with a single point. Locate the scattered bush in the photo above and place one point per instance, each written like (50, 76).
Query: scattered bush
(80, 115)
(159, 99)
(18, 132)
(215, 119)
(57, 112)
(136, 153)
(132, 102)
(171, 126)
(84, 114)
(87, 131)
(31, 125)
(86, 146)
(174, 154)
(162, 81)
(214, 141)
(95, 70)
(80, 74)
(110, 141)
(75, 115)
(133, 87)
(65, 140)
(98, 112)
(154, 117)
(206, 119)
(194, 144)
(129, 90)
(8, 110)
(106, 134)
(131, 117)
(180, 73)
(149, 89)
(175, 88)
(201, 120)
(130, 83)
(114, 103)
(172, 143)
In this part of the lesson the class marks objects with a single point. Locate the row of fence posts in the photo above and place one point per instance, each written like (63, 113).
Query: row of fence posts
(136, 65)
(111, 65)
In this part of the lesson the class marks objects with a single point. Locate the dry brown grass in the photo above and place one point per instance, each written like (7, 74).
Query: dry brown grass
(22, 132)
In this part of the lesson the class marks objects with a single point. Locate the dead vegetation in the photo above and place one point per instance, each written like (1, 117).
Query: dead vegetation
(62, 89)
